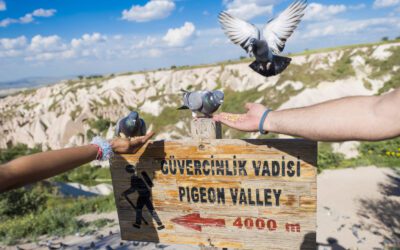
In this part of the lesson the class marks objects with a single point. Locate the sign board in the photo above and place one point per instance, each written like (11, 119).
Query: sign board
(240, 194)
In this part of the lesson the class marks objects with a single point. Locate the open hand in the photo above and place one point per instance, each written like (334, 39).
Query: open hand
(248, 122)
(129, 145)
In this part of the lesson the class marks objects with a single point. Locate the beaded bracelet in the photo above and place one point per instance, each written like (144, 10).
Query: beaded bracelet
(104, 149)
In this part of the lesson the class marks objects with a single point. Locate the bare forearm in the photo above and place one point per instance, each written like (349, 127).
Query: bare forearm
(29, 169)
(352, 118)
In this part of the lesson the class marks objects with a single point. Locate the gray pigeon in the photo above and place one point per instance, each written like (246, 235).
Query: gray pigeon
(265, 49)
(205, 102)
(130, 126)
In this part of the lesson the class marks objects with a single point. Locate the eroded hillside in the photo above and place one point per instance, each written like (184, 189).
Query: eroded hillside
(72, 112)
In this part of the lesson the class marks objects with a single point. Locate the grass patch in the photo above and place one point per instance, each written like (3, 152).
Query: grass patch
(393, 83)
(380, 154)
(100, 125)
(327, 159)
(86, 174)
(58, 218)
(169, 116)
(382, 68)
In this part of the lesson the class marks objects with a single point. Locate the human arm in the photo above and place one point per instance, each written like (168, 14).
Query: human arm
(32, 168)
(368, 118)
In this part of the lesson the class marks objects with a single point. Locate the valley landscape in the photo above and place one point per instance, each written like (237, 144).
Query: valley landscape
(72, 112)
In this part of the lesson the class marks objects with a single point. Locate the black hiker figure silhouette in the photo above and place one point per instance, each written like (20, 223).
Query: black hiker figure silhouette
(143, 187)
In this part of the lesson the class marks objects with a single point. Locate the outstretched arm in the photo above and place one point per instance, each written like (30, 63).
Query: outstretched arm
(32, 168)
(352, 118)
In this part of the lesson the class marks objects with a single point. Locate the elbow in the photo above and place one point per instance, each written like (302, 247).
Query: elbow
(386, 116)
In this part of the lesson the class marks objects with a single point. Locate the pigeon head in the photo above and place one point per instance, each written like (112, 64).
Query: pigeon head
(132, 119)
(212, 101)
(218, 96)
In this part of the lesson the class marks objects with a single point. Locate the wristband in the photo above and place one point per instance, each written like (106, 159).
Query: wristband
(105, 151)
(99, 152)
(262, 121)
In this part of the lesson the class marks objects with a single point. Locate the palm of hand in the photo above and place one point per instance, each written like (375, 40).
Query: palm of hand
(248, 122)
(129, 145)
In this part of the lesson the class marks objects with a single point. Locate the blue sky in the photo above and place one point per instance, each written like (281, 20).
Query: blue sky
(71, 37)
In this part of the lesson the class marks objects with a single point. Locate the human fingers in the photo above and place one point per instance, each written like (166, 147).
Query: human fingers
(231, 120)
(141, 139)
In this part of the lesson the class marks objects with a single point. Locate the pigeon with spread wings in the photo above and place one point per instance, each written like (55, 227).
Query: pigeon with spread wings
(266, 48)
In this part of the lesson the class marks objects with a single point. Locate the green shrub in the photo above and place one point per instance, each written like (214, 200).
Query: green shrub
(16, 151)
(23, 201)
(327, 158)
(100, 124)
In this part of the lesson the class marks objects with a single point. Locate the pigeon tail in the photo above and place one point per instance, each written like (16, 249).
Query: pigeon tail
(278, 64)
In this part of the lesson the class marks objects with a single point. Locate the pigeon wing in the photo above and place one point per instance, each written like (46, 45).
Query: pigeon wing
(239, 31)
(117, 128)
(278, 30)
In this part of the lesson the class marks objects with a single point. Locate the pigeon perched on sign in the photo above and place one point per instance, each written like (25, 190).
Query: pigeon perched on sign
(131, 126)
(205, 102)
(265, 49)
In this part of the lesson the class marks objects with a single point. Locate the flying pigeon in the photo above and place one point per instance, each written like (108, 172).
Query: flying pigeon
(130, 126)
(265, 49)
(205, 102)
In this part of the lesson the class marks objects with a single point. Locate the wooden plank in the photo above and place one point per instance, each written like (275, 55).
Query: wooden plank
(242, 194)
(205, 128)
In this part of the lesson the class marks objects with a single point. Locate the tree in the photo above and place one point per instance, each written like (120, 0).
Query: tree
(385, 39)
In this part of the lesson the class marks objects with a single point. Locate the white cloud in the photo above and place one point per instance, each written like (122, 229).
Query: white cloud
(44, 13)
(2, 5)
(28, 18)
(7, 21)
(46, 43)
(352, 27)
(87, 40)
(248, 9)
(180, 36)
(152, 10)
(146, 43)
(155, 53)
(385, 3)
(317, 12)
(45, 48)
(117, 37)
(13, 43)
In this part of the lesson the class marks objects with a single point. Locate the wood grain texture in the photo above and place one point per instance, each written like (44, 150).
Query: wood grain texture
(205, 128)
(240, 194)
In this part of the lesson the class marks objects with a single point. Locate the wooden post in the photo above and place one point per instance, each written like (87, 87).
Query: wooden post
(205, 128)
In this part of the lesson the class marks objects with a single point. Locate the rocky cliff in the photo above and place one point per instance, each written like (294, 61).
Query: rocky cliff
(72, 112)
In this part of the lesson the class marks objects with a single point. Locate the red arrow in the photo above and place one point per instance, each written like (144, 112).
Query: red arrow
(194, 221)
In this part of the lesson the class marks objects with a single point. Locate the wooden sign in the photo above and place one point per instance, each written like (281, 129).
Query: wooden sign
(240, 194)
